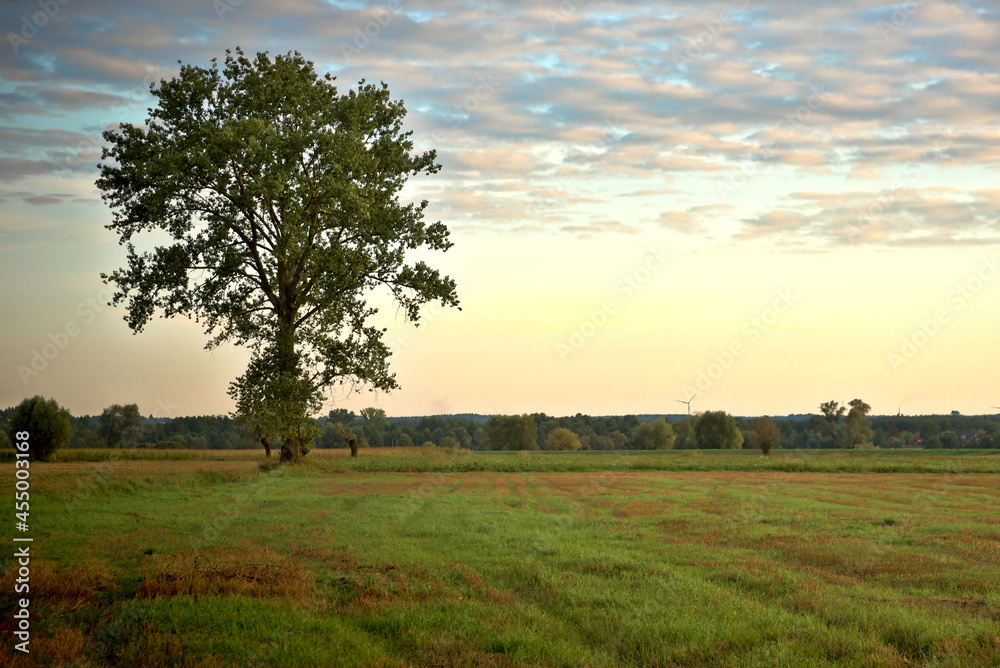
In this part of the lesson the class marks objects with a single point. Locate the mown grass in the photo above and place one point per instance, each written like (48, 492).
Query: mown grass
(214, 563)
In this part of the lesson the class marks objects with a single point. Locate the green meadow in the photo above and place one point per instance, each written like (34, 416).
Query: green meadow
(441, 558)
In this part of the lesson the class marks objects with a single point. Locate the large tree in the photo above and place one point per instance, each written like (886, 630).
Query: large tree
(120, 424)
(830, 426)
(859, 427)
(280, 196)
(765, 434)
(43, 423)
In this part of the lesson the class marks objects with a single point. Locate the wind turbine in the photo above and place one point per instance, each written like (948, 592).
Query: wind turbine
(688, 402)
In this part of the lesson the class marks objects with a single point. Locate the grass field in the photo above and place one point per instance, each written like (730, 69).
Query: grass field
(429, 559)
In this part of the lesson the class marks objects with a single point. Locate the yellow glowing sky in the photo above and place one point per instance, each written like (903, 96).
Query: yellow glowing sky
(566, 332)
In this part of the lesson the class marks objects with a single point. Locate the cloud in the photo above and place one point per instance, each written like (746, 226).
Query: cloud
(13, 169)
(597, 94)
(598, 226)
(22, 139)
(693, 220)
(900, 216)
(41, 200)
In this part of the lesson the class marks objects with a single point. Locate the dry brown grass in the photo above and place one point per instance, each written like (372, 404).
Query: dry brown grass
(74, 585)
(254, 573)
(64, 589)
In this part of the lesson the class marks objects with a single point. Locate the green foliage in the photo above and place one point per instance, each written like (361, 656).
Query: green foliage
(950, 439)
(832, 411)
(5, 442)
(120, 425)
(449, 442)
(717, 430)
(511, 432)
(655, 435)
(281, 197)
(274, 403)
(342, 415)
(46, 423)
(374, 417)
(562, 439)
(599, 442)
(859, 429)
(685, 431)
(765, 434)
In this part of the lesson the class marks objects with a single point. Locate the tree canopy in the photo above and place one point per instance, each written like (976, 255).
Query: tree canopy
(717, 430)
(655, 435)
(859, 429)
(765, 434)
(561, 438)
(120, 424)
(280, 196)
(511, 432)
(46, 423)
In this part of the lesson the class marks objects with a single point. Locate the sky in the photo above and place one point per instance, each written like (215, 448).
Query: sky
(762, 205)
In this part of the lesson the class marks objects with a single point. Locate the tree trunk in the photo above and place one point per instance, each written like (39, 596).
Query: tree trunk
(353, 443)
(267, 447)
(291, 447)
(291, 450)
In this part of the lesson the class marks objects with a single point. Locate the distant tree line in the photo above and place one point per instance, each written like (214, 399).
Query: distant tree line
(836, 426)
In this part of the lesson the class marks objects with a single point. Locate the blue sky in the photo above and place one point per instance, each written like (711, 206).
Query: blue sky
(846, 152)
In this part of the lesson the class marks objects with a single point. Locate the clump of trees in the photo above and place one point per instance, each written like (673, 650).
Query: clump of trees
(854, 432)
(655, 435)
(717, 430)
(838, 426)
(511, 432)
